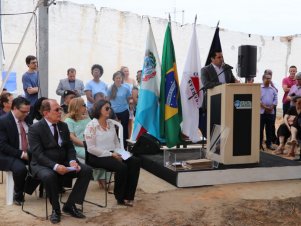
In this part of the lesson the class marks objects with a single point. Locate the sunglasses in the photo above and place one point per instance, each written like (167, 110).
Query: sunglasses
(84, 105)
(58, 109)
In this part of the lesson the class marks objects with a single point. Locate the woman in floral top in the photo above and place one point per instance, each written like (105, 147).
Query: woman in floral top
(103, 144)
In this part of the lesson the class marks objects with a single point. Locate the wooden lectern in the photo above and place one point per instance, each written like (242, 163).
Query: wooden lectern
(236, 108)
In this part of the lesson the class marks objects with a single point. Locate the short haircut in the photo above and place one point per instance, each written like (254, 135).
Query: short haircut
(139, 71)
(97, 107)
(29, 58)
(17, 102)
(293, 66)
(99, 67)
(70, 70)
(99, 94)
(37, 114)
(268, 72)
(4, 98)
(214, 52)
(45, 106)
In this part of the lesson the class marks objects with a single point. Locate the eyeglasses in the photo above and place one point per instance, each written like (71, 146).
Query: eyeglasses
(58, 109)
(24, 112)
(84, 105)
(107, 108)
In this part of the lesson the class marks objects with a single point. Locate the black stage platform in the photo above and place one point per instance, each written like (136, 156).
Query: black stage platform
(271, 167)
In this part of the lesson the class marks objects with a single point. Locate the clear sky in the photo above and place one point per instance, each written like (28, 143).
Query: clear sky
(263, 17)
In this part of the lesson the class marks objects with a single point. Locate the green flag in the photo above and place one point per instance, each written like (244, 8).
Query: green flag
(170, 100)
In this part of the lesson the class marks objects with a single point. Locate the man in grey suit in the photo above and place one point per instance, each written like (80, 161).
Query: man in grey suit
(70, 83)
(212, 75)
(54, 160)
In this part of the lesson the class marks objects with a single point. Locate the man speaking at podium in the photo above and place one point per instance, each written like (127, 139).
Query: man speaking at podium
(217, 72)
(212, 75)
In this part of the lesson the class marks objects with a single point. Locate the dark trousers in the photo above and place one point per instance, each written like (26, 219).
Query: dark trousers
(285, 107)
(124, 118)
(126, 174)
(19, 170)
(274, 137)
(53, 181)
(266, 121)
(203, 121)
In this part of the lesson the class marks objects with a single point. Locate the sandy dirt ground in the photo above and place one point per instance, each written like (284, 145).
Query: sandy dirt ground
(159, 203)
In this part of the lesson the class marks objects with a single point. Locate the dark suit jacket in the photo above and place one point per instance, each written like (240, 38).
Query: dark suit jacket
(9, 141)
(45, 150)
(210, 79)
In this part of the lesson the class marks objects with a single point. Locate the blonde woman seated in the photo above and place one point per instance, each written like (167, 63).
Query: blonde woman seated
(77, 120)
(103, 144)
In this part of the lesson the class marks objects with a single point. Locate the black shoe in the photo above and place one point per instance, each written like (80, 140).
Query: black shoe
(18, 199)
(271, 147)
(73, 211)
(120, 202)
(55, 216)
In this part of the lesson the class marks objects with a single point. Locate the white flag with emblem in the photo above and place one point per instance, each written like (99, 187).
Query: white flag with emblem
(191, 96)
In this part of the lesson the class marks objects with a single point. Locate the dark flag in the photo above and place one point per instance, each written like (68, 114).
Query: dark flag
(215, 45)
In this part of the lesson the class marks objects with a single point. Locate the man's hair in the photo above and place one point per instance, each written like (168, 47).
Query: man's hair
(97, 107)
(214, 52)
(17, 102)
(99, 67)
(293, 66)
(29, 58)
(45, 106)
(4, 98)
(139, 71)
(268, 72)
(70, 70)
(265, 75)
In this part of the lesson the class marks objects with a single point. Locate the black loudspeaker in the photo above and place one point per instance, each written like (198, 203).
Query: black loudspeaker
(247, 61)
(146, 144)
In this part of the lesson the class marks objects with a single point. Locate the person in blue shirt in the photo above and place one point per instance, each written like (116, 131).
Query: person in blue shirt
(30, 80)
(95, 85)
(119, 96)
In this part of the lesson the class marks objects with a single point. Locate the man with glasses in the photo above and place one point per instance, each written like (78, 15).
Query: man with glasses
(54, 160)
(14, 145)
(30, 80)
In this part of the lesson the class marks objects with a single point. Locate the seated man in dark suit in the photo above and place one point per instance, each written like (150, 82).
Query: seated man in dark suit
(52, 154)
(14, 145)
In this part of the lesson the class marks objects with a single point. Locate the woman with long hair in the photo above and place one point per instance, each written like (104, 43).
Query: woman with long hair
(119, 96)
(103, 145)
(77, 120)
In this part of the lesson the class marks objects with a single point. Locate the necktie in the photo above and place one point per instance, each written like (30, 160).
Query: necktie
(55, 133)
(24, 143)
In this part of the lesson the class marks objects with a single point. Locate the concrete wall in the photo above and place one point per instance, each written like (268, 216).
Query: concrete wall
(81, 35)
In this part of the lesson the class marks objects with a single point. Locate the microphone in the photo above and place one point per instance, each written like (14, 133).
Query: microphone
(227, 67)
(201, 89)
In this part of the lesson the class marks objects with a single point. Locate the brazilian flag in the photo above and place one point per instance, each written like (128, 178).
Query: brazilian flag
(170, 100)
